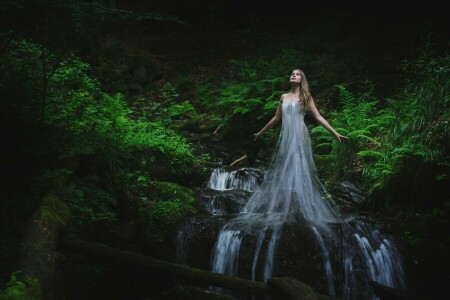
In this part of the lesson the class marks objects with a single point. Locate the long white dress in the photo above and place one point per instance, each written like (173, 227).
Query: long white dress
(291, 186)
(290, 191)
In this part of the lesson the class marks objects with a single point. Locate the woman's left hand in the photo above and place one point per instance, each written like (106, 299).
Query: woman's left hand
(340, 136)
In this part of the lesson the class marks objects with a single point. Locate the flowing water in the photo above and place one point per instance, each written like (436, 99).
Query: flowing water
(352, 252)
(247, 179)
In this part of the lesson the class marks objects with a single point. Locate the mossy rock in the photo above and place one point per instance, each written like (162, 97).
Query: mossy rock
(169, 191)
(169, 204)
(194, 293)
(290, 288)
(54, 211)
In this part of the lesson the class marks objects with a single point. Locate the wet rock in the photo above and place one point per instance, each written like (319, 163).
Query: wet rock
(247, 179)
(196, 239)
(224, 202)
(349, 196)
(388, 293)
(298, 255)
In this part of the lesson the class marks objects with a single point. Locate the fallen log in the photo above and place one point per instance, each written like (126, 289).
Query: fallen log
(290, 288)
(287, 288)
(180, 271)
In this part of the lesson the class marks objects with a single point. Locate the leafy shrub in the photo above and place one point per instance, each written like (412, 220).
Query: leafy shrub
(21, 287)
(88, 202)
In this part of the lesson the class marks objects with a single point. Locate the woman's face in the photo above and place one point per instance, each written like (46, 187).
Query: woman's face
(296, 77)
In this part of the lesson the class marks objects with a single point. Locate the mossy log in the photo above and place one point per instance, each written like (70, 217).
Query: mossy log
(287, 288)
(38, 259)
(186, 292)
(290, 288)
(194, 275)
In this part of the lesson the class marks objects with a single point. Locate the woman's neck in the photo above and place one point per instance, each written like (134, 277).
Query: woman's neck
(295, 89)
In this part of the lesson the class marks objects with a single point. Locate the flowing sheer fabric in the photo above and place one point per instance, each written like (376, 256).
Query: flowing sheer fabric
(291, 186)
(290, 191)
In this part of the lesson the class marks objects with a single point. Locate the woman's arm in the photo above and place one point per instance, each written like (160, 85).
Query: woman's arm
(272, 122)
(324, 122)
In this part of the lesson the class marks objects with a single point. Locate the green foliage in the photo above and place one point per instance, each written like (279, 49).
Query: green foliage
(258, 99)
(88, 203)
(83, 122)
(412, 129)
(169, 204)
(54, 211)
(77, 105)
(419, 127)
(27, 288)
(360, 121)
(246, 71)
(21, 79)
(169, 92)
(165, 141)
(412, 239)
(84, 116)
(255, 91)
(85, 13)
(170, 112)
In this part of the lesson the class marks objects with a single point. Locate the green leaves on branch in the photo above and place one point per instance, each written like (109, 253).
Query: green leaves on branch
(83, 116)
(255, 91)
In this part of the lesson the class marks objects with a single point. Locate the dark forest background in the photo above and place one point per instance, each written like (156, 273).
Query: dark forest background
(121, 109)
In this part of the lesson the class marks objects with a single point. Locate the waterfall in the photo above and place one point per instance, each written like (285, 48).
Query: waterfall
(382, 261)
(353, 253)
(247, 179)
(227, 247)
(326, 262)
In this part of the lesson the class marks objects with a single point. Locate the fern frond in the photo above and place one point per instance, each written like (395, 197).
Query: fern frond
(370, 152)
(324, 145)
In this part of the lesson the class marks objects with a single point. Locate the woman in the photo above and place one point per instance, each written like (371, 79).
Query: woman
(291, 181)
(290, 192)
(299, 93)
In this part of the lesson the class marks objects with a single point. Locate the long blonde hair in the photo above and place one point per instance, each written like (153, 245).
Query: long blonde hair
(305, 95)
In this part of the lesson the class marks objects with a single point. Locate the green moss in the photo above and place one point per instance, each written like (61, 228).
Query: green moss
(171, 203)
(169, 191)
(26, 289)
(169, 213)
(54, 211)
